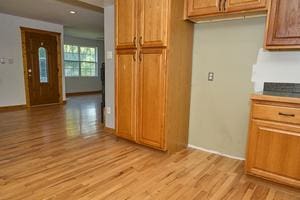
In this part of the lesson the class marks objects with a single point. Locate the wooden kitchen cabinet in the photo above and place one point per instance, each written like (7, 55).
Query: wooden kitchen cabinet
(198, 10)
(203, 7)
(152, 97)
(126, 23)
(154, 16)
(126, 72)
(283, 29)
(244, 5)
(152, 102)
(274, 139)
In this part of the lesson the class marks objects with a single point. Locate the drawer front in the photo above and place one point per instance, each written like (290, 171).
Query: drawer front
(276, 113)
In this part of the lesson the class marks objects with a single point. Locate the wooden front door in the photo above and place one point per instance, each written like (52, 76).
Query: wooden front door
(42, 68)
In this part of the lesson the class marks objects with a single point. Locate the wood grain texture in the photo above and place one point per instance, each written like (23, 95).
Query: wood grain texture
(274, 142)
(152, 98)
(126, 91)
(283, 29)
(179, 72)
(153, 23)
(126, 23)
(202, 10)
(61, 153)
(245, 5)
(164, 55)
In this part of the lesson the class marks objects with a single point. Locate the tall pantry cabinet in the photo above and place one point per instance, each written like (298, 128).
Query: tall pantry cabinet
(153, 72)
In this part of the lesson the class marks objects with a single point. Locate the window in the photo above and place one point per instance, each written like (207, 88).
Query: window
(80, 61)
(43, 65)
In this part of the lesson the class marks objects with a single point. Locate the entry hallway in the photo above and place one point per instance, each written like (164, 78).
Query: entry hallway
(61, 152)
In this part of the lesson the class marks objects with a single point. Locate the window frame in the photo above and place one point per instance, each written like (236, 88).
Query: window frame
(80, 61)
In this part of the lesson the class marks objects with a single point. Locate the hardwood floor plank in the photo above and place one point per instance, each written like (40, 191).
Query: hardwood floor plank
(61, 152)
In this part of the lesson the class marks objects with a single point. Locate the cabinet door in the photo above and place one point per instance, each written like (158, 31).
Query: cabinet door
(245, 5)
(283, 29)
(151, 111)
(203, 7)
(274, 151)
(126, 67)
(154, 23)
(126, 23)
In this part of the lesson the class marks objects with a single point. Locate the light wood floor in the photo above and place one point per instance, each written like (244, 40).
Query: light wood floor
(60, 152)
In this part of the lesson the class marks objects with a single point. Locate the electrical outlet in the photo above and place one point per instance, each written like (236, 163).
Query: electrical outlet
(211, 76)
(108, 110)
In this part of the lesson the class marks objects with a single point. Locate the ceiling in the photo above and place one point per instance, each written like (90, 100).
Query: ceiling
(88, 22)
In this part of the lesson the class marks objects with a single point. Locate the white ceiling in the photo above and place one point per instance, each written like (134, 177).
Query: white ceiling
(88, 22)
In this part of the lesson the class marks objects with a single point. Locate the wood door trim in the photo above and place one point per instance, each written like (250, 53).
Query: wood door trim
(25, 30)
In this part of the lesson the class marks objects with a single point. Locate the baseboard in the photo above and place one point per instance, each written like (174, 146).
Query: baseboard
(83, 93)
(109, 130)
(215, 152)
(16, 107)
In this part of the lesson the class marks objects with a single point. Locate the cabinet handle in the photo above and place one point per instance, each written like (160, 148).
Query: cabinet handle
(286, 115)
(134, 41)
(141, 40)
(224, 5)
(140, 56)
(219, 5)
(134, 57)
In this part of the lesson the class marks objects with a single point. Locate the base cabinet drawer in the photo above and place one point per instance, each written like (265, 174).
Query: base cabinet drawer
(276, 113)
(274, 152)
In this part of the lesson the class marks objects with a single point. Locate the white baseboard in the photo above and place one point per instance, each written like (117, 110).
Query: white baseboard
(215, 152)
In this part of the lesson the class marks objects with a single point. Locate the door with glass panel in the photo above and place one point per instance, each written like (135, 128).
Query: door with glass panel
(42, 67)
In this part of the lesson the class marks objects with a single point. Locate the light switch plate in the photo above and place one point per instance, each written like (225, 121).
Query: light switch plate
(109, 55)
(108, 110)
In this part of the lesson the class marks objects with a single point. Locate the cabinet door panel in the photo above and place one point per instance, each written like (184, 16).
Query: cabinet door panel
(126, 23)
(284, 25)
(245, 5)
(275, 151)
(126, 94)
(154, 23)
(203, 7)
(152, 98)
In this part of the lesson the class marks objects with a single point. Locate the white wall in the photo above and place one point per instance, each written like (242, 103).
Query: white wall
(109, 38)
(276, 66)
(85, 84)
(12, 87)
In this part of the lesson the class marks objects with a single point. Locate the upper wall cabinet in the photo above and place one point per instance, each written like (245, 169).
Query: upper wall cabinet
(244, 5)
(126, 23)
(203, 9)
(154, 21)
(283, 26)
